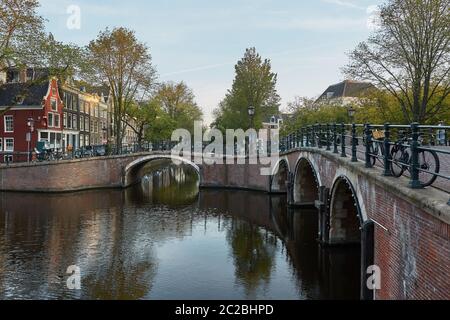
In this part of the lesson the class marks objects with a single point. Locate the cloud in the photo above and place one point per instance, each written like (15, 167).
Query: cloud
(343, 3)
(319, 24)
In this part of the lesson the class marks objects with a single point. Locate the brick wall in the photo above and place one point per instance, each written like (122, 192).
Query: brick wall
(414, 252)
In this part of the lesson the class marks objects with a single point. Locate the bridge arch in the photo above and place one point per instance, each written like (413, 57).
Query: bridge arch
(306, 182)
(280, 176)
(348, 224)
(346, 217)
(131, 171)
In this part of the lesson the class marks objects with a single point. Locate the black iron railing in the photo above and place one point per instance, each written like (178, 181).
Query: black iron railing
(420, 152)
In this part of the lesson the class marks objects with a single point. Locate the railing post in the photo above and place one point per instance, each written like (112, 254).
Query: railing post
(319, 135)
(302, 137)
(368, 135)
(335, 139)
(343, 153)
(415, 183)
(293, 140)
(313, 136)
(328, 138)
(307, 136)
(354, 144)
(387, 150)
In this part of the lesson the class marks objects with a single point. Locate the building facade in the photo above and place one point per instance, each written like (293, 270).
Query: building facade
(71, 116)
(345, 93)
(31, 113)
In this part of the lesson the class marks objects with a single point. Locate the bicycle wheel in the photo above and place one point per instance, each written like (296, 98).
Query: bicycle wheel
(399, 160)
(374, 151)
(429, 161)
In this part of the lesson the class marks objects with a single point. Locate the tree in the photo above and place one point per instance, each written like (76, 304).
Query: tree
(177, 101)
(409, 56)
(254, 85)
(64, 61)
(19, 26)
(140, 117)
(119, 59)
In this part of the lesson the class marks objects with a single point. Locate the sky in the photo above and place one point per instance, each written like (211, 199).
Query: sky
(200, 41)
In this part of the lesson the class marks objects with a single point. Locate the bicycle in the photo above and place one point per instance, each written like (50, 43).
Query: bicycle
(401, 161)
(376, 147)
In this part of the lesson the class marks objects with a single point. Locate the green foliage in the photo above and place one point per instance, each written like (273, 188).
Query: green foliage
(178, 108)
(376, 107)
(305, 112)
(254, 85)
(118, 58)
(21, 28)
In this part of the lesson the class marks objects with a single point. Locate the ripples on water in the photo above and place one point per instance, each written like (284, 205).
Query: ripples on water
(164, 240)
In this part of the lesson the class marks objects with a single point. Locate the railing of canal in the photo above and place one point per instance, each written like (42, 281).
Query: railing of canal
(420, 152)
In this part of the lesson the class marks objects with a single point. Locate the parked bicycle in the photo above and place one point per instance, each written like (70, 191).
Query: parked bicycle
(428, 161)
(401, 160)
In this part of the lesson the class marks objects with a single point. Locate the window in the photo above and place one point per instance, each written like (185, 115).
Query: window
(74, 103)
(74, 122)
(44, 136)
(54, 91)
(57, 123)
(8, 158)
(9, 144)
(69, 120)
(1, 145)
(9, 124)
(81, 123)
(86, 124)
(54, 104)
(50, 120)
(65, 120)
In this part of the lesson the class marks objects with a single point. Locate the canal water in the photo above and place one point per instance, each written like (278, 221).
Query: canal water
(163, 239)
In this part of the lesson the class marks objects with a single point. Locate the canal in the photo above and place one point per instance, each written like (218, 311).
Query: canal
(163, 239)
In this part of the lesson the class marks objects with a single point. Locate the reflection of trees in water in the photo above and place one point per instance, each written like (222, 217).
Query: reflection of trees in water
(126, 271)
(166, 183)
(253, 252)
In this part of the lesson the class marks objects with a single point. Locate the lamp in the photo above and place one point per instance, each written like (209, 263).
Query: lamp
(251, 111)
(351, 114)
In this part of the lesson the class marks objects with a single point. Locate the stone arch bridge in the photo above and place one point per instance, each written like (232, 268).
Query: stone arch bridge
(402, 231)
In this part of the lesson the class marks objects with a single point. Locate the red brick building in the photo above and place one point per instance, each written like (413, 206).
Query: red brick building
(33, 110)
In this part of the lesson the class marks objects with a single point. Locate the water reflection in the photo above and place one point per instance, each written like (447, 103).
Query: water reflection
(163, 239)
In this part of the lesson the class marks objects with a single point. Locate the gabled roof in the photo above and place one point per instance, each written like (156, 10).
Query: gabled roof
(33, 94)
(99, 90)
(347, 88)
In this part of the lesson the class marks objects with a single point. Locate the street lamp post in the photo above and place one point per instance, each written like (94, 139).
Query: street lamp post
(30, 125)
(251, 113)
(351, 114)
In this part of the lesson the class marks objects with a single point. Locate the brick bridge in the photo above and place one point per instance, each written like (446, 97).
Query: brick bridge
(403, 231)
